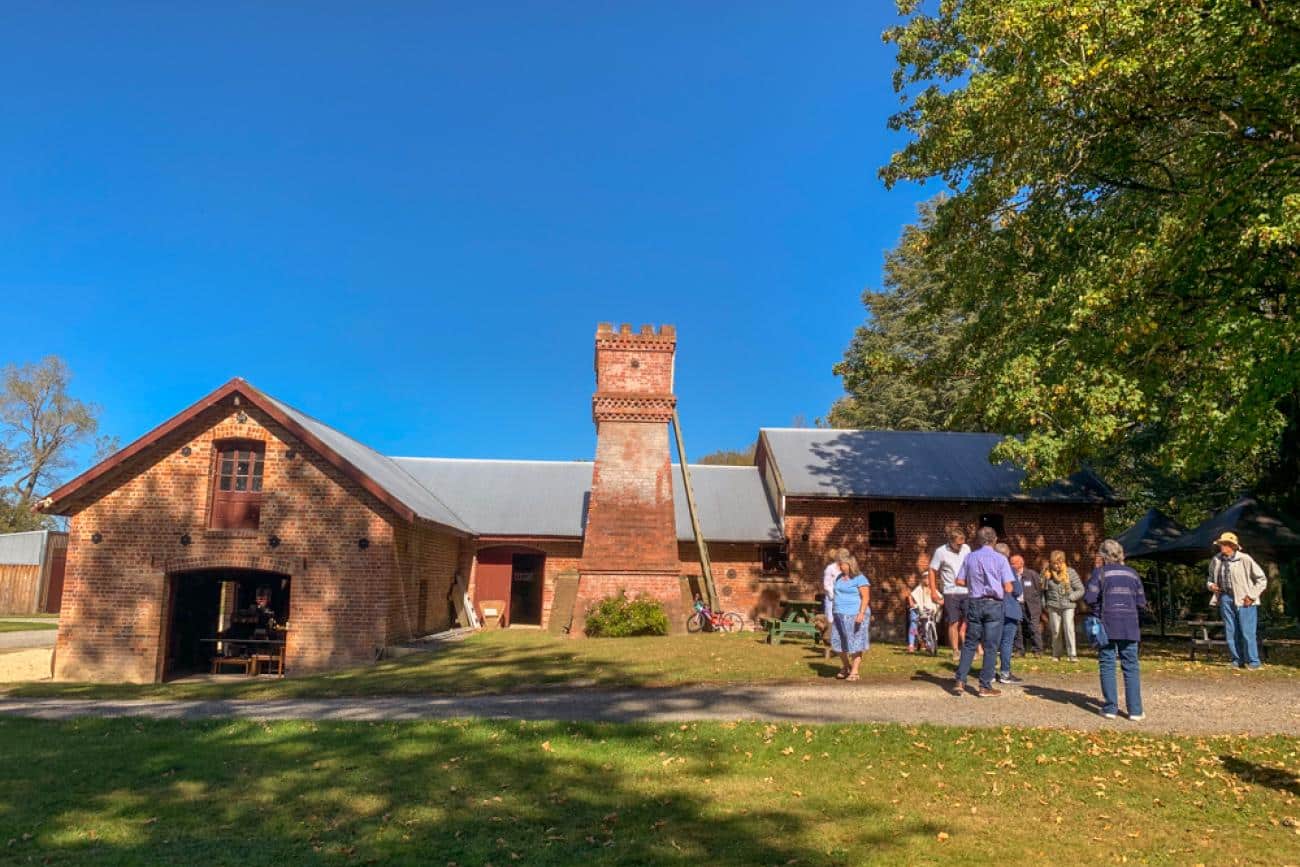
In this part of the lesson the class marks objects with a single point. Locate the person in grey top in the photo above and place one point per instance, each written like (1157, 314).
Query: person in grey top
(1061, 590)
(1239, 583)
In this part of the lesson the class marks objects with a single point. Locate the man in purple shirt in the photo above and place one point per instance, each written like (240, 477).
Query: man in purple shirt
(989, 578)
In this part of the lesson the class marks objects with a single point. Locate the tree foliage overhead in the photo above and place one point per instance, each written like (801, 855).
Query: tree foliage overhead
(40, 427)
(1121, 238)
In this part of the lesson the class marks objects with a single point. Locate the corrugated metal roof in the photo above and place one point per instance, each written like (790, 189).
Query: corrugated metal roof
(22, 549)
(383, 470)
(549, 498)
(916, 465)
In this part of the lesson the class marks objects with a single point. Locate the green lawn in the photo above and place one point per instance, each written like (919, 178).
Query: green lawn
(16, 626)
(517, 659)
(219, 792)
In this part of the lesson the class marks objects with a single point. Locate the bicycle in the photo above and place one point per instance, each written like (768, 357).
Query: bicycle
(927, 630)
(705, 619)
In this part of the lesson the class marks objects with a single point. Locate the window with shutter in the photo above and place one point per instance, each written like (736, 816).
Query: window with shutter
(237, 485)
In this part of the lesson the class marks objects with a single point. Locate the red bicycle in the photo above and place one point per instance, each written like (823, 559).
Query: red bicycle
(705, 619)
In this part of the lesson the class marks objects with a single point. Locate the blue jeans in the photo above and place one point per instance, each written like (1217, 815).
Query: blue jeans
(1127, 651)
(983, 627)
(1239, 631)
(1009, 631)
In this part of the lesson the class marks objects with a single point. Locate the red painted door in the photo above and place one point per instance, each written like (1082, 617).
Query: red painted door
(492, 579)
(54, 593)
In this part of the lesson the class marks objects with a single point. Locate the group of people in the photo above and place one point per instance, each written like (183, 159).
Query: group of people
(991, 601)
(1055, 590)
(993, 610)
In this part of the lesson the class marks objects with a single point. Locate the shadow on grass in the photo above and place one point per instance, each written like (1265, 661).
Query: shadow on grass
(122, 791)
(1263, 775)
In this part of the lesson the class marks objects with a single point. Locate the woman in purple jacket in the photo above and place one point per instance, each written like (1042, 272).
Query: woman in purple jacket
(1115, 594)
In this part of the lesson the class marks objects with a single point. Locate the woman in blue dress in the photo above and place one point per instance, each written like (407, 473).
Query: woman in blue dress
(851, 618)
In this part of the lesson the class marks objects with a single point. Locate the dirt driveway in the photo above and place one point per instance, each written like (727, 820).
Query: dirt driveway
(25, 664)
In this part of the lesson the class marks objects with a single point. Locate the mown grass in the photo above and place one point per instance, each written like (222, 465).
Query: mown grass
(32, 626)
(509, 660)
(458, 792)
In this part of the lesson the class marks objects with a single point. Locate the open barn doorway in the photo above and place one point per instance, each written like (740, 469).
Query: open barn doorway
(226, 620)
(511, 576)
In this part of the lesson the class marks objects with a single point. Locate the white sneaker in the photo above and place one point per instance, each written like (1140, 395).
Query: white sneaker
(1106, 715)
(1137, 717)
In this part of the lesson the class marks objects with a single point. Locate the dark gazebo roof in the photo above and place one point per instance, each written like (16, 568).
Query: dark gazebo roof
(1265, 534)
(1153, 531)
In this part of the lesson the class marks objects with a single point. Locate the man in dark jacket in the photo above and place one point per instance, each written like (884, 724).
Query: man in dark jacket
(1031, 624)
(1115, 595)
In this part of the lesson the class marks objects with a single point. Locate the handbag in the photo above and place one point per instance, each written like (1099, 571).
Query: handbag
(1093, 628)
(1095, 631)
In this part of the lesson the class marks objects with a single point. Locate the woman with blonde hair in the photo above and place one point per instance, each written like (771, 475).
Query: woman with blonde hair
(1062, 589)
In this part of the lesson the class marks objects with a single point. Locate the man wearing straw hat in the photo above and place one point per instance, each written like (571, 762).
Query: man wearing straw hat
(1239, 583)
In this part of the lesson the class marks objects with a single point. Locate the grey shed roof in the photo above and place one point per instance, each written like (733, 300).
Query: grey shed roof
(23, 549)
(549, 498)
(911, 465)
(383, 470)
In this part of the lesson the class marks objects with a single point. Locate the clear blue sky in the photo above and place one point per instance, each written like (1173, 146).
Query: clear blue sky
(407, 218)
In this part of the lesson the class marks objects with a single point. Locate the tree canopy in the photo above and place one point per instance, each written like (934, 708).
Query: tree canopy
(40, 427)
(1119, 243)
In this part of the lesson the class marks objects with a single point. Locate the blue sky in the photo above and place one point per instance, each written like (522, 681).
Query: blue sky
(407, 219)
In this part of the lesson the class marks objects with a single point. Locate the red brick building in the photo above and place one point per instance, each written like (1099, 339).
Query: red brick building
(240, 493)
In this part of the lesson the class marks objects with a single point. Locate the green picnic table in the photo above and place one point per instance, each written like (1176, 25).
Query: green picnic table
(797, 618)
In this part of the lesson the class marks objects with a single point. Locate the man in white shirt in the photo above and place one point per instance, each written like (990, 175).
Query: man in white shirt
(944, 566)
(829, 574)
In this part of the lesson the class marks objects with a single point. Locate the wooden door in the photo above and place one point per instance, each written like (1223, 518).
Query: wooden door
(492, 578)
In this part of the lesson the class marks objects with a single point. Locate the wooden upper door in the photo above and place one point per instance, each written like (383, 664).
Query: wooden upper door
(237, 485)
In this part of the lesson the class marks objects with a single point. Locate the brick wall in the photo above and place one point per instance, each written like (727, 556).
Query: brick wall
(342, 598)
(562, 555)
(813, 526)
(738, 575)
(424, 556)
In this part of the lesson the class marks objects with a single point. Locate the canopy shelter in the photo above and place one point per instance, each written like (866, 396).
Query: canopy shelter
(1154, 530)
(1265, 534)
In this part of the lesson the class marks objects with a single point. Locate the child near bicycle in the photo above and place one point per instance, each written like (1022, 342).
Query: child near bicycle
(923, 603)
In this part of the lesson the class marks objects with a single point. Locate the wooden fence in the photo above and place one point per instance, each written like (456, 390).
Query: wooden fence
(19, 589)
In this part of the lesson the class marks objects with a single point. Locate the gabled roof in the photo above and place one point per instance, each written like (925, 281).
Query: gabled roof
(473, 497)
(374, 472)
(550, 498)
(911, 465)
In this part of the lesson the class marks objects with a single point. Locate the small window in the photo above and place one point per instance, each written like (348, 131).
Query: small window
(775, 558)
(237, 494)
(994, 520)
(880, 530)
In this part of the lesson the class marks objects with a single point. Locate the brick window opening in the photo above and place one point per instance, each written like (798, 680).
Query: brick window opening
(775, 559)
(237, 485)
(880, 530)
(994, 520)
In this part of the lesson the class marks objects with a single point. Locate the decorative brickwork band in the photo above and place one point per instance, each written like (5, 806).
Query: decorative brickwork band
(625, 407)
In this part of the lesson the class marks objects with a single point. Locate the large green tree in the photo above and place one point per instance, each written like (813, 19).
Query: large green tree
(1120, 241)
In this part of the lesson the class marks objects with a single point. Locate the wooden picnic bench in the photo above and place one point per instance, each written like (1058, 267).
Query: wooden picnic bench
(1200, 638)
(798, 617)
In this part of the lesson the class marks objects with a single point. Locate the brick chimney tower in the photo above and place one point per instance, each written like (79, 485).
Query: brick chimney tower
(630, 541)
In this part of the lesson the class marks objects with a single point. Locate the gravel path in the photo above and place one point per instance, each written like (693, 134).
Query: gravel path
(1186, 706)
(28, 638)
